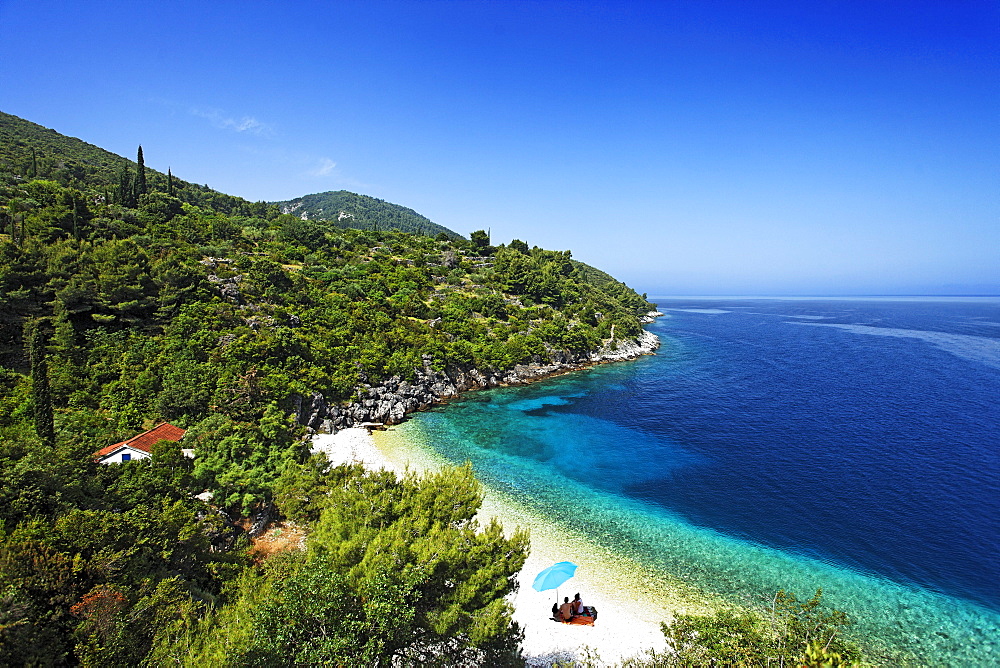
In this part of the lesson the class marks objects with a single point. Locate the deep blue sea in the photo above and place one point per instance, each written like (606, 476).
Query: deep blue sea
(852, 445)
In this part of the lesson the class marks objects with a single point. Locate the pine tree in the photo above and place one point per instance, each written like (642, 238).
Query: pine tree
(65, 360)
(40, 394)
(140, 174)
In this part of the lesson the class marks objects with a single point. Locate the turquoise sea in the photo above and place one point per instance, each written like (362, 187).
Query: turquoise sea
(852, 445)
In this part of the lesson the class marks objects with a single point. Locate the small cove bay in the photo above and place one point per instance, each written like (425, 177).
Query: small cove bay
(777, 444)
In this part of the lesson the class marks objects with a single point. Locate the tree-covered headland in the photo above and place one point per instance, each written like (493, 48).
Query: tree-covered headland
(138, 297)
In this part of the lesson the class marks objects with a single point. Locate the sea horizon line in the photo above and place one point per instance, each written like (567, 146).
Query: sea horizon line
(873, 297)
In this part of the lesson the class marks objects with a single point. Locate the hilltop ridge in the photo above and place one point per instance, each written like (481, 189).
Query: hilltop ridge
(29, 150)
(362, 212)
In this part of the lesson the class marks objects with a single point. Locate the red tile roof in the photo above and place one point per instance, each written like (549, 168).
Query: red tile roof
(144, 441)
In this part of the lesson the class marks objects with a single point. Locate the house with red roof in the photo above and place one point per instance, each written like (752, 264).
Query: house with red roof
(139, 447)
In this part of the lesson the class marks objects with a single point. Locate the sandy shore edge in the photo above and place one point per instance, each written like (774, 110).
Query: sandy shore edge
(628, 616)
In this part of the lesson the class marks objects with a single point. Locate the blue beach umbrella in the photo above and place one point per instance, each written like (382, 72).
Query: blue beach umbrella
(554, 575)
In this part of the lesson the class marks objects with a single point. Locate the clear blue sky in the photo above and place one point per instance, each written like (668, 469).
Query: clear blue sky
(688, 147)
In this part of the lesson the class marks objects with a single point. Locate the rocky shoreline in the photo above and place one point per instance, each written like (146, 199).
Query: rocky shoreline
(393, 399)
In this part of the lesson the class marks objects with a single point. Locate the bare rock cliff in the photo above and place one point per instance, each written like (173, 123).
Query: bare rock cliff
(391, 400)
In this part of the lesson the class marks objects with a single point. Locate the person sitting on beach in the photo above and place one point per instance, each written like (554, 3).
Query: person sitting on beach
(578, 608)
(566, 610)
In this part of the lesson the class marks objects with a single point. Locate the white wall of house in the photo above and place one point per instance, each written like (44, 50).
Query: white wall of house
(124, 454)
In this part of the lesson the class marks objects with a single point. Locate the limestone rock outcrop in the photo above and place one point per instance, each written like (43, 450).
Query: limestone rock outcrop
(391, 400)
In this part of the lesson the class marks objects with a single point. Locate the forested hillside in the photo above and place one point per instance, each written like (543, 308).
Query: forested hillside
(30, 151)
(361, 212)
(128, 298)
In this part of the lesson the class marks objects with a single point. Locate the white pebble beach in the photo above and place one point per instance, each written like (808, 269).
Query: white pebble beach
(351, 445)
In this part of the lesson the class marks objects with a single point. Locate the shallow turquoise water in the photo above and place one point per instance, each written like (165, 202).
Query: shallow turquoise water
(755, 453)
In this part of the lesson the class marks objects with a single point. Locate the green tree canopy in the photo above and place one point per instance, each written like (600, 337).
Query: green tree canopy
(398, 572)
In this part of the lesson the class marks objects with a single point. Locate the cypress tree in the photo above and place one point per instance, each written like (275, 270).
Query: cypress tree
(34, 164)
(14, 207)
(126, 188)
(140, 174)
(170, 183)
(76, 228)
(40, 394)
(12, 214)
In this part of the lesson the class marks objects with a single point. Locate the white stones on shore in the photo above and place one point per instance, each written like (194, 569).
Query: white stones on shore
(645, 344)
(389, 401)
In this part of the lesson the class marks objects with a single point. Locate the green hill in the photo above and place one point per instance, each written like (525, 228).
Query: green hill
(58, 157)
(31, 151)
(361, 212)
